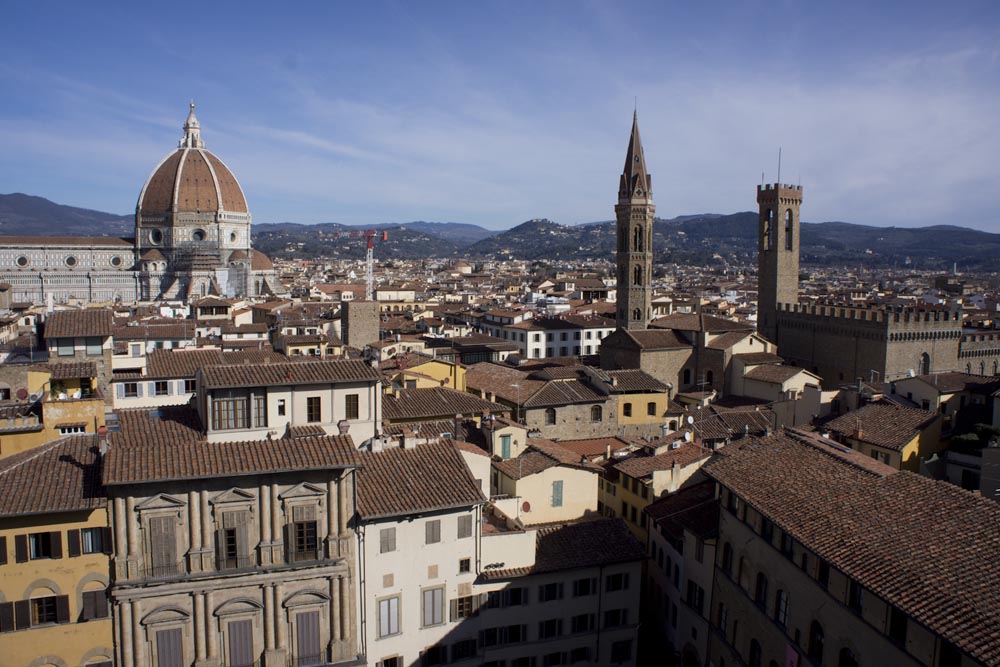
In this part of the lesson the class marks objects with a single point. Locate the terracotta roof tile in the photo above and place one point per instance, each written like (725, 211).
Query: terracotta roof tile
(883, 424)
(61, 476)
(168, 461)
(643, 466)
(426, 478)
(79, 323)
(287, 373)
(440, 402)
(578, 545)
(925, 546)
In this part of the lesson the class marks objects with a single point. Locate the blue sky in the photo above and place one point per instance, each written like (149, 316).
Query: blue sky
(494, 113)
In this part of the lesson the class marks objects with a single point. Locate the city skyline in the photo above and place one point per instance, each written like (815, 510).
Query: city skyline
(335, 115)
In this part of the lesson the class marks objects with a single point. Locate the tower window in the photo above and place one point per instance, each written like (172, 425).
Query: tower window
(637, 314)
(637, 276)
(767, 219)
(637, 239)
(788, 230)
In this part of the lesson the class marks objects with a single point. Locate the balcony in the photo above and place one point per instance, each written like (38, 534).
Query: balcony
(235, 562)
(304, 555)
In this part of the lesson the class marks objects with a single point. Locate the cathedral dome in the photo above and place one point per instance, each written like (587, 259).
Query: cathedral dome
(191, 180)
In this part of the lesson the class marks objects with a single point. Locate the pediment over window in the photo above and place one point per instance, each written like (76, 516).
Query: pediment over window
(306, 598)
(238, 606)
(161, 501)
(165, 615)
(233, 495)
(303, 490)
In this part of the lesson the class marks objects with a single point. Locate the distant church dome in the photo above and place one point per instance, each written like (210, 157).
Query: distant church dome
(190, 180)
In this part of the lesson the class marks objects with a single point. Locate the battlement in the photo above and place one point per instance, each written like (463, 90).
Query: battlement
(775, 191)
(893, 315)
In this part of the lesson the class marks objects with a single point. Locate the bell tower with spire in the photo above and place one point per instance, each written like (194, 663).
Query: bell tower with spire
(634, 213)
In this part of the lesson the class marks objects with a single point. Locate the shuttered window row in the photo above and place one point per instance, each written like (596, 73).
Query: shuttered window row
(24, 614)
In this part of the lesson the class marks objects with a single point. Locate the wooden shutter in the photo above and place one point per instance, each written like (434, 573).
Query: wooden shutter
(101, 608)
(6, 616)
(73, 543)
(162, 542)
(453, 610)
(55, 538)
(241, 643)
(89, 606)
(307, 638)
(62, 609)
(21, 548)
(120, 390)
(22, 614)
(304, 513)
(243, 534)
(3, 549)
(169, 648)
(106, 540)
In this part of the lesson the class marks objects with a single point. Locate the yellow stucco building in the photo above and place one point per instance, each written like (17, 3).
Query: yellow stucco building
(54, 567)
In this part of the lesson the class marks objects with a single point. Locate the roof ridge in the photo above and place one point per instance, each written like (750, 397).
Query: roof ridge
(801, 437)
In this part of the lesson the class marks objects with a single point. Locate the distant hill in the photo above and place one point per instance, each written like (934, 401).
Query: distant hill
(25, 214)
(333, 240)
(690, 239)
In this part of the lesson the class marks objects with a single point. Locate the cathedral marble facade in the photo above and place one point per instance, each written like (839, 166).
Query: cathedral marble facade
(192, 239)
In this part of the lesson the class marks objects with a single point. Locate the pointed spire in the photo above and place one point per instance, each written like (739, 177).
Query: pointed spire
(636, 181)
(192, 131)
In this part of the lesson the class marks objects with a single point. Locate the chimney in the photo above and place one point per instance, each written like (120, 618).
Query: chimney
(102, 438)
(458, 427)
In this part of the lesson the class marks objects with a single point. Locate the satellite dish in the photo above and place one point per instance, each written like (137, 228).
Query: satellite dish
(22, 394)
(34, 397)
(690, 419)
(525, 506)
(688, 437)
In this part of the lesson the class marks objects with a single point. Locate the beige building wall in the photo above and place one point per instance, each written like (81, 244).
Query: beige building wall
(579, 494)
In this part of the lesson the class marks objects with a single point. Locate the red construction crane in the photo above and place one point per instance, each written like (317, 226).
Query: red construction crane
(369, 236)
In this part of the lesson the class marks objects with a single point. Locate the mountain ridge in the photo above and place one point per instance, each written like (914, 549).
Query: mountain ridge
(694, 239)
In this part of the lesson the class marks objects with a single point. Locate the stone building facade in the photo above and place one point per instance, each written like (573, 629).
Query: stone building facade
(192, 239)
(239, 561)
(843, 343)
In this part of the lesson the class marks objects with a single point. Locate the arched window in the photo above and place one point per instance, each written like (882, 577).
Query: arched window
(925, 364)
(727, 558)
(982, 368)
(637, 314)
(765, 234)
(760, 591)
(742, 572)
(788, 230)
(550, 416)
(637, 276)
(781, 607)
(709, 377)
(968, 369)
(637, 239)
(847, 658)
(815, 649)
(651, 409)
(672, 425)
(755, 654)
(687, 376)
(627, 409)
(994, 367)
(596, 414)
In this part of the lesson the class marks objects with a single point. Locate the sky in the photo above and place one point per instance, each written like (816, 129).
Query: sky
(494, 113)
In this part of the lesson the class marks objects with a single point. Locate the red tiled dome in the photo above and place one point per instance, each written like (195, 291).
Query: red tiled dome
(191, 179)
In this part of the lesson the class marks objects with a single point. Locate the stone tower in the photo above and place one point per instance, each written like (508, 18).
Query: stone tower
(778, 253)
(634, 212)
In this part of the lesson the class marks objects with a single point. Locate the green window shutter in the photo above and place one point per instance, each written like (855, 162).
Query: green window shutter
(73, 543)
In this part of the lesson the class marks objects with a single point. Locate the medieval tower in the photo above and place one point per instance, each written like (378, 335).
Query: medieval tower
(778, 253)
(634, 212)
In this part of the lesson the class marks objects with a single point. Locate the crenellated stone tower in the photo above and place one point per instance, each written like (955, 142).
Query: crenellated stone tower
(634, 212)
(777, 253)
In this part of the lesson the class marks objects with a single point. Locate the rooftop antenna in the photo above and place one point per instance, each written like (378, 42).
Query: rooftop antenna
(779, 166)
(762, 178)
